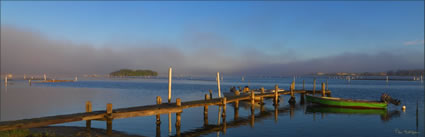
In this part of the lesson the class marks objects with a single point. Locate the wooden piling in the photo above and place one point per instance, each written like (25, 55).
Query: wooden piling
(323, 89)
(29, 81)
(276, 95)
(218, 84)
(109, 126)
(5, 80)
(170, 72)
(109, 109)
(252, 116)
(314, 86)
(292, 99)
(236, 110)
(262, 92)
(88, 109)
(224, 102)
(45, 77)
(206, 111)
(252, 97)
(158, 116)
(327, 85)
(211, 95)
(178, 102)
(178, 123)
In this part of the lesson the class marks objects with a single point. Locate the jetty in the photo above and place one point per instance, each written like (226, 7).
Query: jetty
(169, 107)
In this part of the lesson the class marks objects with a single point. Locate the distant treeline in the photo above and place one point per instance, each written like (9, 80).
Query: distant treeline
(129, 72)
(414, 72)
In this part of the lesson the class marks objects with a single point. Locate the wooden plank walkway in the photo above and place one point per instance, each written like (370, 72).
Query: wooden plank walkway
(134, 111)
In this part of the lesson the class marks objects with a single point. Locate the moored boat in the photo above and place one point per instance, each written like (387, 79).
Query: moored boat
(348, 103)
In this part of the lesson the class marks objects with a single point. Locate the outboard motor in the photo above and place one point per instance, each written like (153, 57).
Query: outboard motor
(388, 99)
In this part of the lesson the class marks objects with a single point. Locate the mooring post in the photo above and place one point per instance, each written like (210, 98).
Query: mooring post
(327, 85)
(236, 110)
(158, 117)
(218, 84)
(88, 109)
(178, 117)
(109, 118)
(45, 77)
(323, 89)
(292, 99)
(170, 72)
(224, 102)
(206, 111)
(314, 86)
(252, 97)
(211, 95)
(262, 92)
(5, 80)
(276, 95)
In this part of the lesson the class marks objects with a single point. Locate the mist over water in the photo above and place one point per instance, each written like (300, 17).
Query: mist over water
(28, 51)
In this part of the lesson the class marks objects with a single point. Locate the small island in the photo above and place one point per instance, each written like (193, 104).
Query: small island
(129, 72)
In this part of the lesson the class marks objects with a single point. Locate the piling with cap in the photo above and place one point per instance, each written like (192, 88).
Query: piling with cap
(170, 72)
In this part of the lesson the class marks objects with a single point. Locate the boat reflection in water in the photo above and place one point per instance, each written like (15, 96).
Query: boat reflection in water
(384, 114)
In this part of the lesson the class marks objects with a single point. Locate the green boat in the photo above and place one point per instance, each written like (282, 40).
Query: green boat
(347, 103)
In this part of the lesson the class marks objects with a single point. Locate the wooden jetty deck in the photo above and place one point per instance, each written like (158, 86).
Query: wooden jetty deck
(134, 111)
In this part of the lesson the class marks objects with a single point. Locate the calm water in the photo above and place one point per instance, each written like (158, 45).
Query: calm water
(19, 101)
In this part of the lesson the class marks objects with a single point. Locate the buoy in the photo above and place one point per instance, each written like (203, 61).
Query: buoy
(403, 108)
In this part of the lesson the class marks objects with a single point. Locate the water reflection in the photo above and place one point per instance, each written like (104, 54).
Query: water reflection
(385, 115)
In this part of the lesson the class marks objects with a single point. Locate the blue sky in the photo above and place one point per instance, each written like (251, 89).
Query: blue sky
(309, 29)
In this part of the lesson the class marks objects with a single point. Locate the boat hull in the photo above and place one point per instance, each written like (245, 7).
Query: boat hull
(338, 102)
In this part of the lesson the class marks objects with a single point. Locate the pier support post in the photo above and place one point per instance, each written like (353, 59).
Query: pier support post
(158, 117)
(45, 77)
(236, 110)
(323, 89)
(252, 115)
(88, 109)
(218, 84)
(206, 111)
(224, 102)
(170, 71)
(211, 95)
(109, 119)
(276, 95)
(252, 97)
(314, 86)
(178, 117)
(5, 80)
(292, 99)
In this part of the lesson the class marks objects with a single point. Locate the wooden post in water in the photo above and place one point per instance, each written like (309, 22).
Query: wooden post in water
(252, 97)
(292, 99)
(109, 119)
(88, 109)
(25, 77)
(5, 80)
(276, 95)
(206, 111)
(158, 118)
(211, 95)
(45, 77)
(29, 81)
(178, 117)
(236, 110)
(327, 85)
(314, 86)
(218, 84)
(170, 72)
(262, 92)
(323, 89)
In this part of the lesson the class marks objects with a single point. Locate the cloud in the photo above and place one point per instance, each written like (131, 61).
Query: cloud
(414, 42)
(27, 51)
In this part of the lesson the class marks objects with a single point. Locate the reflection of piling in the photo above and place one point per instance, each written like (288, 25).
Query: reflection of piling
(252, 116)
(302, 100)
(276, 112)
(236, 110)
(291, 111)
(386, 79)
(88, 109)
(224, 100)
(29, 82)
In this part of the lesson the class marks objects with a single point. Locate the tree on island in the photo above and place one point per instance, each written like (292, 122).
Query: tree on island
(129, 72)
